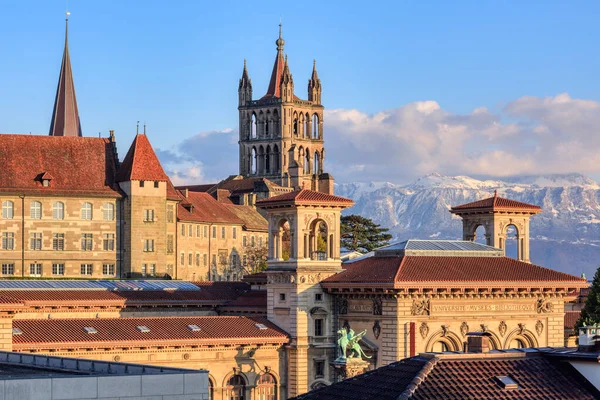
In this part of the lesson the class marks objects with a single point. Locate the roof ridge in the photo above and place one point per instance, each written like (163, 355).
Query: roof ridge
(418, 379)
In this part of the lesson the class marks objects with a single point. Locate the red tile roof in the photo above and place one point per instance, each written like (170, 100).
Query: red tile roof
(399, 271)
(254, 299)
(79, 166)
(251, 218)
(571, 318)
(275, 82)
(496, 203)
(306, 197)
(65, 297)
(141, 163)
(214, 330)
(421, 378)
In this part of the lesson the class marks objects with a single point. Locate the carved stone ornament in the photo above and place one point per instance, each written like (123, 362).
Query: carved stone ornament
(376, 329)
(186, 356)
(544, 306)
(117, 358)
(539, 327)
(502, 328)
(420, 307)
(424, 330)
(521, 328)
(484, 328)
(445, 330)
(464, 328)
(343, 306)
(377, 306)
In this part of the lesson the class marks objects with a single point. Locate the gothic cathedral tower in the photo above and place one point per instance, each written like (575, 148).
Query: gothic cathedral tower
(281, 136)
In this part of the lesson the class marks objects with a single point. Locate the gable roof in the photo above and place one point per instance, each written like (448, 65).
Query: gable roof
(462, 376)
(306, 197)
(141, 163)
(77, 165)
(496, 203)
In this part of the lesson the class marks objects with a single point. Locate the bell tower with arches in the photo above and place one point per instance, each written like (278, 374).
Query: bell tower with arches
(304, 249)
(496, 215)
(281, 135)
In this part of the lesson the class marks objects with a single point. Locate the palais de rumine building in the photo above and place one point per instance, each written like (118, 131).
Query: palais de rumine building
(80, 211)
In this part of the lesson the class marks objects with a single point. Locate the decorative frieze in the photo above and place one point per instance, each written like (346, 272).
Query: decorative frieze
(420, 307)
(544, 306)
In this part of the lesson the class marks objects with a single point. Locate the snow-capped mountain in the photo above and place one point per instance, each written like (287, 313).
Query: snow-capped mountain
(565, 236)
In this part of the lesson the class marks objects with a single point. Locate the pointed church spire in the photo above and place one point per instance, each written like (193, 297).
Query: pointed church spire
(245, 81)
(315, 76)
(314, 85)
(274, 90)
(65, 116)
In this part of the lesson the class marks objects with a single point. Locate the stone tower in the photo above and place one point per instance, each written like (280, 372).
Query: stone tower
(281, 136)
(496, 214)
(304, 249)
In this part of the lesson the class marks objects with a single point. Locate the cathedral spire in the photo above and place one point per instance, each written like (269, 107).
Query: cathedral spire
(65, 116)
(274, 90)
(314, 85)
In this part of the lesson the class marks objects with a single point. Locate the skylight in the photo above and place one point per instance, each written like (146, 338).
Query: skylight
(143, 329)
(194, 328)
(262, 327)
(506, 382)
(17, 331)
(90, 329)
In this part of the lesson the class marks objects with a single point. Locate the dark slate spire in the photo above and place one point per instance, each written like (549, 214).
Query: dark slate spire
(65, 116)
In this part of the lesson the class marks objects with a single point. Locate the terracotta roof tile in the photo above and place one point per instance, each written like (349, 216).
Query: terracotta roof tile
(65, 297)
(496, 203)
(415, 269)
(254, 299)
(305, 196)
(459, 378)
(571, 318)
(206, 209)
(141, 163)
(69, 333)
(78, 165)
(251, 218)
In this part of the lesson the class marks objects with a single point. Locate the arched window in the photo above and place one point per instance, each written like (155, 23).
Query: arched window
(253, 127)
(253, 161)
(276, 159)
(109, 211)
(295, 126)
(306, 126)
(266, 387)
(211, 389)
(86, 211)
(517, 344)
(307, 162)
(268, 160)
(58, 210)
(315, 126)
(35, 210)
(275, 123)
(8, 209)
(317, 162)
(261, 160)
(236, 386)
(440, 347)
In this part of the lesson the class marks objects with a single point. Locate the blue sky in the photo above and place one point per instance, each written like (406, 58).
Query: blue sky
(176, 66)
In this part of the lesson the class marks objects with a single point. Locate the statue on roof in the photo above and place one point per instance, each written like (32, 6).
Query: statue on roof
(348, 344)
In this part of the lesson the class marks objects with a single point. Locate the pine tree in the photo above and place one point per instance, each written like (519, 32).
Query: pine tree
(362, 234)
(590, 314)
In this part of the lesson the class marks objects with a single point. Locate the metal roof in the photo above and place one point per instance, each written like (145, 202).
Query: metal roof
(97, 284)
(415, 247)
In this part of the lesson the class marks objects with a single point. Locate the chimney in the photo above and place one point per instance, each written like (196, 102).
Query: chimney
(478, 342)
(187, 192)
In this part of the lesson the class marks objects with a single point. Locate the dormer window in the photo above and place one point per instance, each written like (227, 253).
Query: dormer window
(46, 182)
(45, 178)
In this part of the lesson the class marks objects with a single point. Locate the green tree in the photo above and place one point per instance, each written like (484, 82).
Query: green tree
(362, 234)
(591, 310)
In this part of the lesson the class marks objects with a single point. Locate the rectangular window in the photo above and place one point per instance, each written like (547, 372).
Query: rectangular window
(281, 296)
(205, 259)
(260, 241)
(148, 245)
(319, 368)
(170, 214)
(244, 241)
(170, 245)
(206, 231)
(35, 241)
(318, 296)
(141, 183)
(144, 269)
(198, 231)
(108, 269)
(8, 240)
(190, 259)
(214, 232)
(35, 269)
(86, 242)
(197, 259)
(214, 260)
(190, 230)
(8, 269)
(244, 260)
(155, 184)
(182, 230)
(234, 233)
(182, 259)
(86, 269)
(108, 241)
(58, 242)
(223, 232)
(319, 327)
(58, 269)
(234, 260)
(151, 269)
(252, 242)
(148, 215)
(109, 212)
(35, 210)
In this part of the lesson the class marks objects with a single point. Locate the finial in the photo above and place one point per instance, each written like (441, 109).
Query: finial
(137, 128)
(244, 63)
(67, 15)
(314, 63)
(144, 127)
(280, 42)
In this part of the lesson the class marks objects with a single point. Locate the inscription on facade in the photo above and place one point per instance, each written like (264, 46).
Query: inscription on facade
(482, 308)
(360, 308)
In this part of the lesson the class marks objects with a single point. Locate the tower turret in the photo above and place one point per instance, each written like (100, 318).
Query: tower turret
(245, 87)
(314, 86)
(287, 83)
